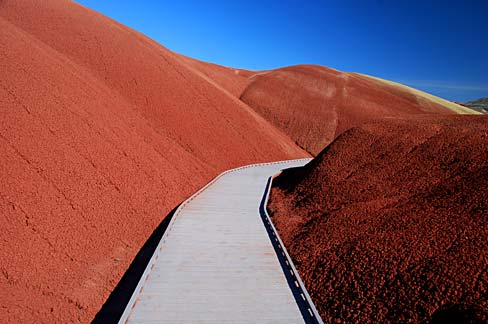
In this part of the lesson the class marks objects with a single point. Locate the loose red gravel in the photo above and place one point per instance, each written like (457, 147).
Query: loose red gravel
(388, 224)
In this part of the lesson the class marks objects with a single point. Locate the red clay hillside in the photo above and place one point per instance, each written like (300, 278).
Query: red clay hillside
(102, 133)
(388, 223)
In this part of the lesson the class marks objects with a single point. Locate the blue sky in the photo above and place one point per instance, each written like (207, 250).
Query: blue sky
(437, 46)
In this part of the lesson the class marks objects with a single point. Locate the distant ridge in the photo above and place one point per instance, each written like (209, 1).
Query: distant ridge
(480, 105)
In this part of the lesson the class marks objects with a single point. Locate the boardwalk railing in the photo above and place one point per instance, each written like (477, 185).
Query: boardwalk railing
(305, 303)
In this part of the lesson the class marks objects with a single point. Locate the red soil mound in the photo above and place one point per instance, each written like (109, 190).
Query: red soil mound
(388, 223)
(102, 133)
(314, 104)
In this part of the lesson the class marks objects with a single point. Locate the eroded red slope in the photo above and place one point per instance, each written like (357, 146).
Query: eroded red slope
(388, 224)
(234, 81)
(314, 104)
(102, 133)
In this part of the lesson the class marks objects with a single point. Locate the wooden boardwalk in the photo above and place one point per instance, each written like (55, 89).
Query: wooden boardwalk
(219, 262)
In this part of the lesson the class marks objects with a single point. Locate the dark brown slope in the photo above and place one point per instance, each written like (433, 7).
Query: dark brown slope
(389, 223)
(314, 104)
(102, 133)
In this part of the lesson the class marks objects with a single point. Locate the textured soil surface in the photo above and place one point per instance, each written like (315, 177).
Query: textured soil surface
(314, 104)
(389, 223)
(102, 133)
(234, 81)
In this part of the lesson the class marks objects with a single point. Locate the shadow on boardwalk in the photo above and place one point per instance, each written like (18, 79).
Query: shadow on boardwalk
(115, 305)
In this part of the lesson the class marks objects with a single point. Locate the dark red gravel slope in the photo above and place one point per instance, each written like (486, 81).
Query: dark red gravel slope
(102, 133)
(388, 224)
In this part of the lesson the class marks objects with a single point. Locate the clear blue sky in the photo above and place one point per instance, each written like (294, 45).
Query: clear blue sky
(437, 46)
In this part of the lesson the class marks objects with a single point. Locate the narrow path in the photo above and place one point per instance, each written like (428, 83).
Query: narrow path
(221, 261)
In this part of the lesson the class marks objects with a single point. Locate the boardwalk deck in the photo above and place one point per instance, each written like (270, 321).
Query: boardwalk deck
(216, 262)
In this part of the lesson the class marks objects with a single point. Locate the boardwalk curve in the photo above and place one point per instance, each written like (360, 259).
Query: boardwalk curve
(221, 260)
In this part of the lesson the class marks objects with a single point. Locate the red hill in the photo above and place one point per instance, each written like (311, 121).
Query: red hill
(314, 104)
(388, 223)
(102, 133)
